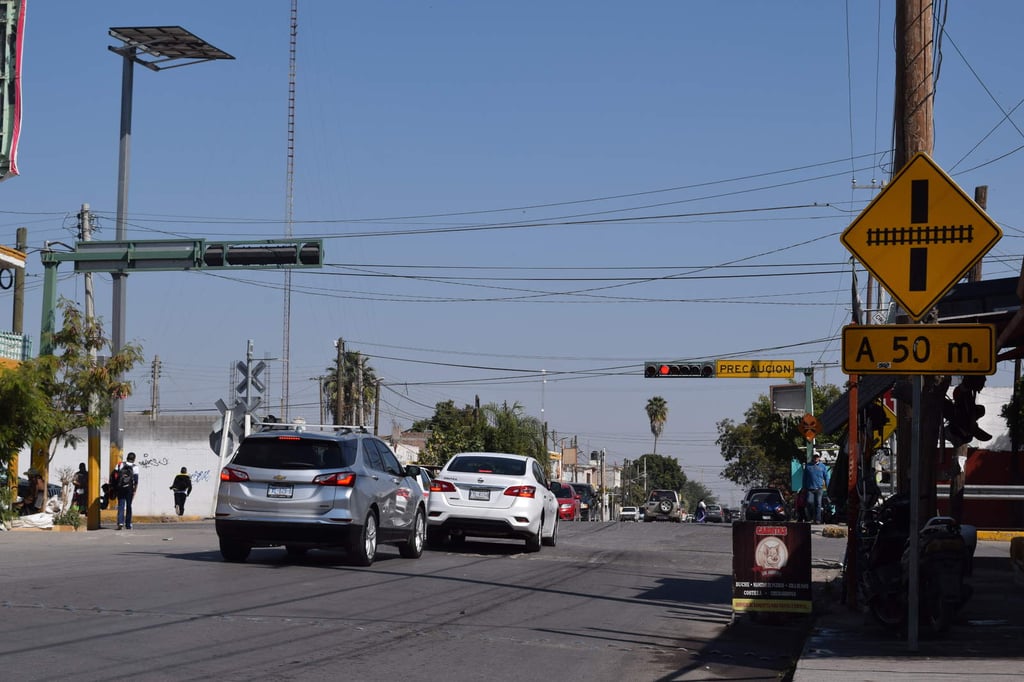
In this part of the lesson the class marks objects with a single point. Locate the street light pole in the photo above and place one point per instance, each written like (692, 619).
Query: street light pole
(156, 48)
(119, 278)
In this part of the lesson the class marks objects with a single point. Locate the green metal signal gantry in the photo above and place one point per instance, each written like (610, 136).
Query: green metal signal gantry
(168, 255)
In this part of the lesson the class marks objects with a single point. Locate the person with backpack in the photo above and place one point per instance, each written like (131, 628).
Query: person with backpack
(126, 485)
(182, 487)
(80, 482)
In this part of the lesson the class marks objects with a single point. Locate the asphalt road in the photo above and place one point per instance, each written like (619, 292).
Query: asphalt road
(613, 601)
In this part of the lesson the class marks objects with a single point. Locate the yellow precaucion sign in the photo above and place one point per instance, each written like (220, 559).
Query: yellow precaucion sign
(755, 369)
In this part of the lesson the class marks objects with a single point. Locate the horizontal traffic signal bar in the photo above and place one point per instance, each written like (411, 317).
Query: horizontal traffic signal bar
(703, 370)
(190, 254)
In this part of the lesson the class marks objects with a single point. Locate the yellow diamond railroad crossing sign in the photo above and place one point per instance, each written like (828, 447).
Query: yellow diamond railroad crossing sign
(920, 235)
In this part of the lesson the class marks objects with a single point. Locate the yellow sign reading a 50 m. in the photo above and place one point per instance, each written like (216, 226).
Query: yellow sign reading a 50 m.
(920, 349)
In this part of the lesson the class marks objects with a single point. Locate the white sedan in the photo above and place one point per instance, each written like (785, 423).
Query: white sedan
(492, 495)
(629, 514)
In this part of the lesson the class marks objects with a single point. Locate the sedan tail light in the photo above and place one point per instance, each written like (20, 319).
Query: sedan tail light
(233, 475)
(521, 491)
(439, 486)
(345, 479)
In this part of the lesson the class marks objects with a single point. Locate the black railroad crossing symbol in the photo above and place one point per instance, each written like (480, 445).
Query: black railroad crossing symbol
(920, 235)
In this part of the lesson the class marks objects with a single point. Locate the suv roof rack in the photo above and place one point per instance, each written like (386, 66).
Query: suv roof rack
(304, 426)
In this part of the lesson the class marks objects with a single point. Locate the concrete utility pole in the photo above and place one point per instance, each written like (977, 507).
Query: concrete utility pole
(21, 244)
(154, 392)
(92, 516)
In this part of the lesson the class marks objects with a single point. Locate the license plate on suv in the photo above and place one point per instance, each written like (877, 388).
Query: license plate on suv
(280, 490)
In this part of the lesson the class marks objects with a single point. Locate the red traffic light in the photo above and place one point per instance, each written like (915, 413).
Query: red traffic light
(704, 370)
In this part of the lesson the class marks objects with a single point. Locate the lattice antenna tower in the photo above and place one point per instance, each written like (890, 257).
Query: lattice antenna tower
(289, 200)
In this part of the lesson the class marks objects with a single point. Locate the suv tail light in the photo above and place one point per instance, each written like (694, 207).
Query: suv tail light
(233, 475)
(439, 486)
(521, 491)
(345, 479)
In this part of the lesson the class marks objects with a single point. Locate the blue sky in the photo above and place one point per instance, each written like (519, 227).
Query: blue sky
(521, 201)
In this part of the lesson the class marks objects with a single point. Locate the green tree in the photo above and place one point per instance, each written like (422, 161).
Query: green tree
(760, 450)
(663, 473)
(25, 412)
(57, 390)
(694, 492)
(493, 428)
(451, 431)
(1013, 413)
(657, 413)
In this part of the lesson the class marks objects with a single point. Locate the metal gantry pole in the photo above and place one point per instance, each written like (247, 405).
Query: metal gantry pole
(117, 336)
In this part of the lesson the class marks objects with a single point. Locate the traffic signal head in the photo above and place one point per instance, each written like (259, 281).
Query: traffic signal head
(704, 370)
(963, 412)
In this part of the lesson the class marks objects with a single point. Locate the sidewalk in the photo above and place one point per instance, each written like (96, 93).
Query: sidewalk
(984, 641)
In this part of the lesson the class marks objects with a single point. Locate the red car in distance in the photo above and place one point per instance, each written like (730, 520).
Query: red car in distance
(568, 501)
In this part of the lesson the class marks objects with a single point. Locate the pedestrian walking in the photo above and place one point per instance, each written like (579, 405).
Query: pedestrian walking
(702, 512)
(815, 482)
(127, 484)
(182, 487)
(81, 482)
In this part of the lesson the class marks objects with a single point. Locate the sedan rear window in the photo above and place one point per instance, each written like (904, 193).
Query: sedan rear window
(488, 465)
(295, 453)
(563, 492)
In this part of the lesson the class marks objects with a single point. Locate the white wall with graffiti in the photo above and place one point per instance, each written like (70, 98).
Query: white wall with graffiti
(161, 448)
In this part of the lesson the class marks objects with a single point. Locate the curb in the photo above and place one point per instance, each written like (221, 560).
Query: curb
(1000, 535)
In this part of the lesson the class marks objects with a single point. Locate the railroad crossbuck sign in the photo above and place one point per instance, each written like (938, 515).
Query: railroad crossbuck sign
(920, 236)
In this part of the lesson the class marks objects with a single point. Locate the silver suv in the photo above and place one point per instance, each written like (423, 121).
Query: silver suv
(305, 489)
(663, 505)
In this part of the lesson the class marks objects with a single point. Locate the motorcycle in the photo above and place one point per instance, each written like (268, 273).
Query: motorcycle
(885, 570)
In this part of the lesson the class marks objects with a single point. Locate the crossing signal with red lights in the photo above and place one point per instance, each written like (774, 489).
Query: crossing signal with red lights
(656, 370)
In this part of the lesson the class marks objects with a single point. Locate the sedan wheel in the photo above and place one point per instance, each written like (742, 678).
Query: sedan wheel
(364, 545)
(550, 541)
(413, 547)
(533, 541)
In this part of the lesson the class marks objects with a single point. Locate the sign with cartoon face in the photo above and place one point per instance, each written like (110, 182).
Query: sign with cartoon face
(771, 567)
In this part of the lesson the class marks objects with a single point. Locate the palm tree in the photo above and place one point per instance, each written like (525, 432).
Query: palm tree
(657, 412)
(512, 430)
(352, 360)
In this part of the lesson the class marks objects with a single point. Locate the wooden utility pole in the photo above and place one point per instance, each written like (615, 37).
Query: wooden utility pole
(919, 422)
(339, 383)
(914, 132)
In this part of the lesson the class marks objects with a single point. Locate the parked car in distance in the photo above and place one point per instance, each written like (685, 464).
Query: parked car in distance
(750, 494)
(715, 514)
(663, 505)
(767, 506)
(589, 505)
(629, 514)
(425, 480)
(312, 489)
(492, 495)
(568, 501)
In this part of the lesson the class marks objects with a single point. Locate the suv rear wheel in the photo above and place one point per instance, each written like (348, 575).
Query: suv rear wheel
(413, 548)
(363, 546)
(234, 551)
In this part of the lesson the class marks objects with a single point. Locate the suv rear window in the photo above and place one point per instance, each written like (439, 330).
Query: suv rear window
(659, 495)
(489, 465)
(289, 452)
